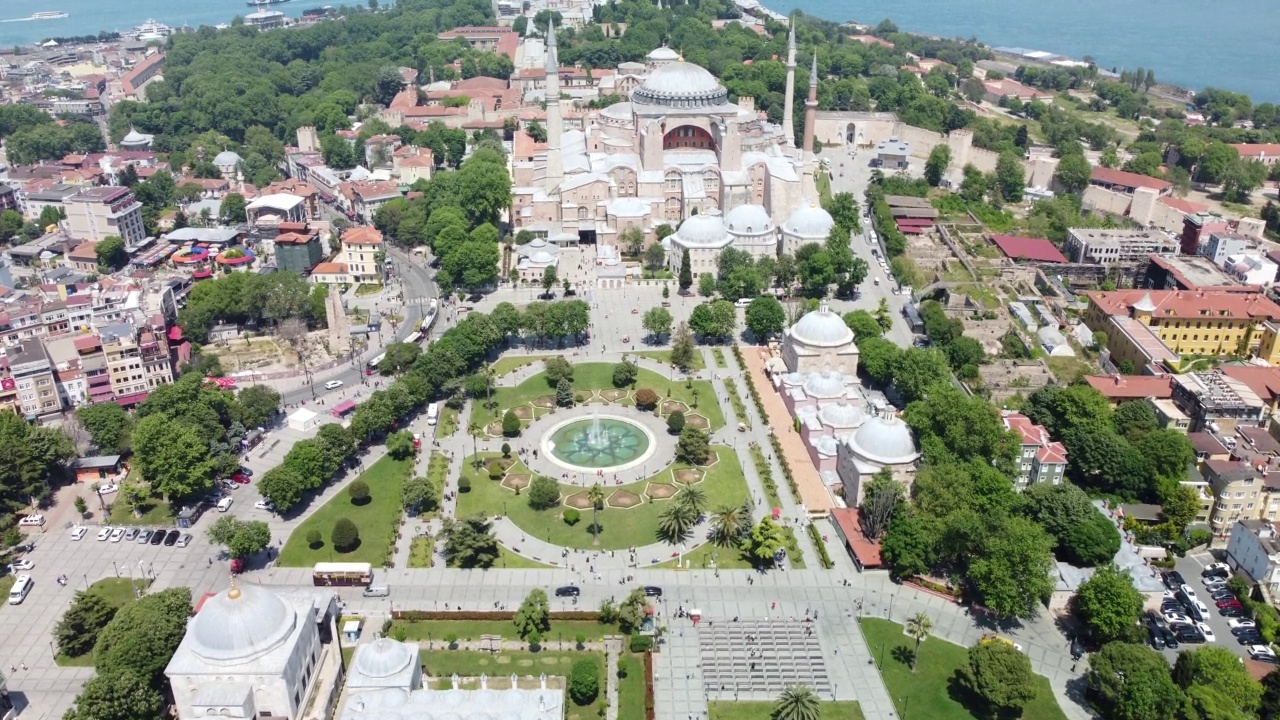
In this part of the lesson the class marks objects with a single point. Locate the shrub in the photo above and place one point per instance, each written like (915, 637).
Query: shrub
(646, 399)
(506, 450)
(624, 373)
(314, 538)
(452, 639)
(345, 535)
(464, 484)
(510, 428)
(581, 639)
(584, 682)
(359, 491)
(641, 643)
(675, 422)
(543, 493)
(495, 470)
(535, 640)
(571, 516)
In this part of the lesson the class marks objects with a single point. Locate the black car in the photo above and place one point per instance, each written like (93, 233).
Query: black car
(1174, 580)
(652, 591)
(1250, 639)
(1231, 612)
(246, 471)
(568, 591)
(1188, 634)
(1169, 638)
(1155, 634)
(172, 538)
(157, 537)
(1171, 606)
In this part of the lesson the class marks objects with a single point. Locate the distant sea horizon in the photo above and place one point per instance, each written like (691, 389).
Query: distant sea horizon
(1187, 42)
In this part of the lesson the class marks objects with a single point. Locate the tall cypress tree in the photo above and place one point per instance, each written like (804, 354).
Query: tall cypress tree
(686, 273)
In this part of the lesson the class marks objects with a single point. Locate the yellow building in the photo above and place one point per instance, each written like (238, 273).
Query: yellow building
(1159, 325)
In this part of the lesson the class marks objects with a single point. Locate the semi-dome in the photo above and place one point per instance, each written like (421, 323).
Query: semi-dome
(618, 111)
(809, 221)
(822, 328)
(384, 658)
(681, 84)
(705, 229)
(748, 220)
(824, 385)
(885, 441)
(240, 624)
(226, 157)
(841, 415)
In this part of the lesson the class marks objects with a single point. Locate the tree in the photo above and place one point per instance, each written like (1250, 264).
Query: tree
(242, 538)
(863, 325)
(624, 374)
(646, 399)
(999, 675)
(843, 208)
(764, 541)
(584, 681)
(686, 272)
(358, 490)
(916, 370)
(694, 445)
(1270, 707)
(595, 495)
(510, 424)
(1073, 173)
(1167, 452)
(543, 493)
(534, 614)
(936, 166)
(657, 320)
(345, 535)
(967, 427)
(108, 424)
(880, 501)
(111, 253)
(1012, 573)
(1093, 542)
(675, 522)
(1108, 604)
(232, 209)
(918, 627)
(548, 279)
(400, 445)
(729, 524)
(144, 634)
(682, 347)
(765, 317)
(117, 694)
(78, 629)
(1132, 682)
(908, 546)
(172, 456)
(1010, 177)
(564, 393)
(1220, 669)
(675, 422)
(557, 369)
(257, 404)
(283, 486)
(706, 284)
(654, 257)
(797, 702)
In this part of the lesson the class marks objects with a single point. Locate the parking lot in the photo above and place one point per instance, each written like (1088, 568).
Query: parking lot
(1191, 567)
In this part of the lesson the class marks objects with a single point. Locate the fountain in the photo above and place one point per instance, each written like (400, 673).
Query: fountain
(597, 442)
(596, 435)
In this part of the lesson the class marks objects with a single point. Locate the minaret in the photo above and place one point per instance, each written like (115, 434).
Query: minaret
(789, 104)
(811, 107)
(555, 124)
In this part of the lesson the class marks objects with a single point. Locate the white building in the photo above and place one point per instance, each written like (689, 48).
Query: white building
(534, 258)
(810, 223)
(1251, 269)
(705, 237)
(1254, 548)
(883, 441)
(752, 231)
(820, 341)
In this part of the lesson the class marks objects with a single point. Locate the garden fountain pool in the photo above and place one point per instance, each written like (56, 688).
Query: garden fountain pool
(599, 442)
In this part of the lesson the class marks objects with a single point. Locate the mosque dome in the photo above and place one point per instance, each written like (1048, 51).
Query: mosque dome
(827, 446)
(542, 257)
(824, 385)
(383, 658)
(705, 229)
(821, 328)
(663, 54)
(748, 220)
(681, 84)
(136, 138)
(841, 415)
(809, 221)
(886, 441)
(226, 157)
(240, 624)
(618, 111)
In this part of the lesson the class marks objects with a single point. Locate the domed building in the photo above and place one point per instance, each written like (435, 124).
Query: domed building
(704, 236)
(753, 230)
(228, 163)
(251, 652)
(136, 140)
(820, 341)
(810, 223)
(884, 441)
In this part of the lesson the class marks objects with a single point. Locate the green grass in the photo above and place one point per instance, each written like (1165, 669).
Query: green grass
(793, 548)
(437, 630)
(438, 468)
(364, 289)
(724, 484)
(845, 710)
(718, 355)
(508, 559)
(1067, 369)
(155, 511)
(422, 551)
(599, 376)
(739, 409)
(6, 584)
(445, 663)
(448, 421)
(765, 471)
(700, 558)
(929, 687)
(664, 356)
(631, 687)
(377, 520)
(511, 363)
(118, 592)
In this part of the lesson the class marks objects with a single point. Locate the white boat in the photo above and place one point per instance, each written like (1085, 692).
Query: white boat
(49, 15)
(150, 30)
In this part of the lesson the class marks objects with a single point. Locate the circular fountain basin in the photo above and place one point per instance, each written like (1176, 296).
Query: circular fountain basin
(600, 443)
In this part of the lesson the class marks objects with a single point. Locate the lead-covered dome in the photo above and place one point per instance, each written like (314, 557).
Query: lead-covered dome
(841, 415)
(680, 84)
(748, 220)
(705, 229)
(824, 386)
(885, 441)
(227, 157)
(240, 624)
(822, 328)
(809, 221)
(663, 54)
(384, 658)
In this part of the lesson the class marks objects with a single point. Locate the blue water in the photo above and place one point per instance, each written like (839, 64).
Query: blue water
(1195, 43)
(1230, 44)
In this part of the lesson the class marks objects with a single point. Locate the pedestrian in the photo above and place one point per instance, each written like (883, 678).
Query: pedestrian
(24, 666)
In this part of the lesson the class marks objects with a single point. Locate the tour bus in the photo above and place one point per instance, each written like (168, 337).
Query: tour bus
(374, 363)
(342, 573)
(413, 338)
(20, 588)
(433, 413)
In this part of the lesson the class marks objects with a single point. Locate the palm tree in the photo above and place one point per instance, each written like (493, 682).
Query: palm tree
(675, 522)
(726, 526)
(474, 429)
(918, 626)
(693, 498)
(596, 495)
(797, 702)
(95, 488)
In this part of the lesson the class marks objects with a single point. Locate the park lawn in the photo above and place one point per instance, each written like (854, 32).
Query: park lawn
(448, 422)
(118, 592)
(6, 584)
(469, 630)
(511, 363)
(472, 664)
(631, 687)
(376, 520)
(926, 692)
(599, 376)
(718, 355)
(843, 710)
(664, 356)
(155, 511)
(724, 484)
(700, 558)
(364, 289)
(422, 551)
(515, 561)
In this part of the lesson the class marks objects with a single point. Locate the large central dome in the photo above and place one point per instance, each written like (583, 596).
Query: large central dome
(681, 84)
(240, 624)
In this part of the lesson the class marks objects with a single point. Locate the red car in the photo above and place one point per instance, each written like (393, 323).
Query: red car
(241, 479)
(1233, 603)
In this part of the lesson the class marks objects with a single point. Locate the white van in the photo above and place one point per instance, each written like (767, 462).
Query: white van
(433, 413)
(743, 302)
(19, 591)
(224, 504)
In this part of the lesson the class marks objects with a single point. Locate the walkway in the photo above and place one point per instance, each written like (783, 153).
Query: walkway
(612, 646)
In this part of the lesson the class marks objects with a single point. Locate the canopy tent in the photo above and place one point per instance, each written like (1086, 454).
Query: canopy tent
(302, 419)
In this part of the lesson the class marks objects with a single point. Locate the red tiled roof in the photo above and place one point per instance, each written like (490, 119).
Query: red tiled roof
(1257, 150)
(1111, 176)
(867, 551)
(1181, 205)
(1054, 453)
(1130, 387)
(329, 268)
(1025, 248)
(1190, 303)
(363, 235)
(87, 342)
(1263, 381)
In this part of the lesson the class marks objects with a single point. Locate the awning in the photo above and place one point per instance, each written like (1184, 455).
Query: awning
(175, 333)
(133, 399)
(343, 408)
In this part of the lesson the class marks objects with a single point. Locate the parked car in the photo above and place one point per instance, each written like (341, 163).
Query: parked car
(185, 540)
(1232, 612)
(104, 533)
(32, 521)
(1216, 569)
(1206, 631)
(78, 532)
(568, 591)
(224, 504)
(246, 471)
(1253, 637)
(23, 564)
(1188, 591)
(1189, 634)
(241, 479)
(652, 591)
(1173, 579)
(1174, 618)
(1228, 602)
(1241, 625)
(131, 534)
(171, 538)
(107, 488)
(1262, 653)
(265, 504)
(157, 537)
(145, 537)
(117, 534)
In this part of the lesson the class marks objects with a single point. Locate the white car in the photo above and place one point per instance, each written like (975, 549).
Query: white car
(224, 504)
(1208, 631)
(23, 564)
(333, 385)
(104, 533)
(1213, 587)
(78, 532)
(117, 534)
(108, 488)
(1216, 569)
(36, 520)
(1238, 624)
(265, 504)
(1189, 591)
(1174, 618)
(1262, 652)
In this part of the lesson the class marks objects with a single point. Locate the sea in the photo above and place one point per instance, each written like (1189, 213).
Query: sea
(1229, 44)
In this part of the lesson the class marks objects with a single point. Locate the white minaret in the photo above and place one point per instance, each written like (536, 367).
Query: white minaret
(555, 124)
(788, 107)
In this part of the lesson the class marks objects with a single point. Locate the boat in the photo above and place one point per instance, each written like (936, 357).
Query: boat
(265, 2)
(150, 30)
(49, 15)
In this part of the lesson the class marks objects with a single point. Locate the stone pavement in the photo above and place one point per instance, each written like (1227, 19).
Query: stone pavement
(612, 646)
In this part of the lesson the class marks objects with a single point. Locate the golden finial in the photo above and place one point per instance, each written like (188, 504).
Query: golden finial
(234, 592)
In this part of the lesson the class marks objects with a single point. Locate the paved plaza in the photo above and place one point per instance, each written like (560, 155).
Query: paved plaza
(762, 656)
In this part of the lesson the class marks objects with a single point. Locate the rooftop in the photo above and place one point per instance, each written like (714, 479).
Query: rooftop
(1110, 176)
(1189, 303)
(1131, 387)
(1023, 248)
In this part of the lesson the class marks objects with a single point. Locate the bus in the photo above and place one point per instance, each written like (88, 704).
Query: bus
(374, 363)
(414, 337)
(342, 573)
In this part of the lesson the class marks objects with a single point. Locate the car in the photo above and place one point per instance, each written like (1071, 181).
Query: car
(1214, 583)
(568, 591)
(157, 537)
(1188, 591)
(1174, 618)
(265, 504)
(23, 564)
(333, 385)
(1155, 632)
(78, 532)
(107, 488)
(171, 538)
(1206, 631)
(1173, 579)
(32, 520)
(145, 537)
(104, 532)
(224, 504)
(131, 534)
(117, 534)
(1241, 625)
(1216, 569)
(241, 479)
(1222, 595)
(246, 471)
(1232, 612)
(1171, 607)
(1217, 592)
(185, 540)
(1253, 637)
(652, 591)
(1167, 635)
(227, 485)
(1228, 602)
(1189, 634)
(1262, 652)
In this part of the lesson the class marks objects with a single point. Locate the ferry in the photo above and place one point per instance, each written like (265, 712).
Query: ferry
(150, 30)
(49, 15)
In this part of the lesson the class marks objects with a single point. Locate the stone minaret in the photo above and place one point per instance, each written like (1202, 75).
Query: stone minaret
(789, 105)
(555, 124)
(811, 107)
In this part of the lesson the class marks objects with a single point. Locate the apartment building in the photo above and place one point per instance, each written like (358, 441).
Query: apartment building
(1254, 548)
(1111, 246)
(1241, 491)
(137, 360)
(1040, 459)
(98, 212)
(360, 248)
(1217, 401)
(32, 373)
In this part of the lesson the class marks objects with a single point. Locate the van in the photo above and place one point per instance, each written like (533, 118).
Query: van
(377, 591)
(224, 504)
(20, 588)
(433, 413)
(742, 302)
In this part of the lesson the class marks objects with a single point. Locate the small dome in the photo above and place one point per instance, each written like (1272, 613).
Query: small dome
(809, 221)
(842, 415)
(824, 385)
(542, 256)
(681, 84)
(241, 623)
(707, 229)
(827, 445)
(885, 441)
(748, 220)
(383, 658)
(135, 137)
(821, 328)
(618, 111)
(663, 53)
(538, 243)
(226, 157)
